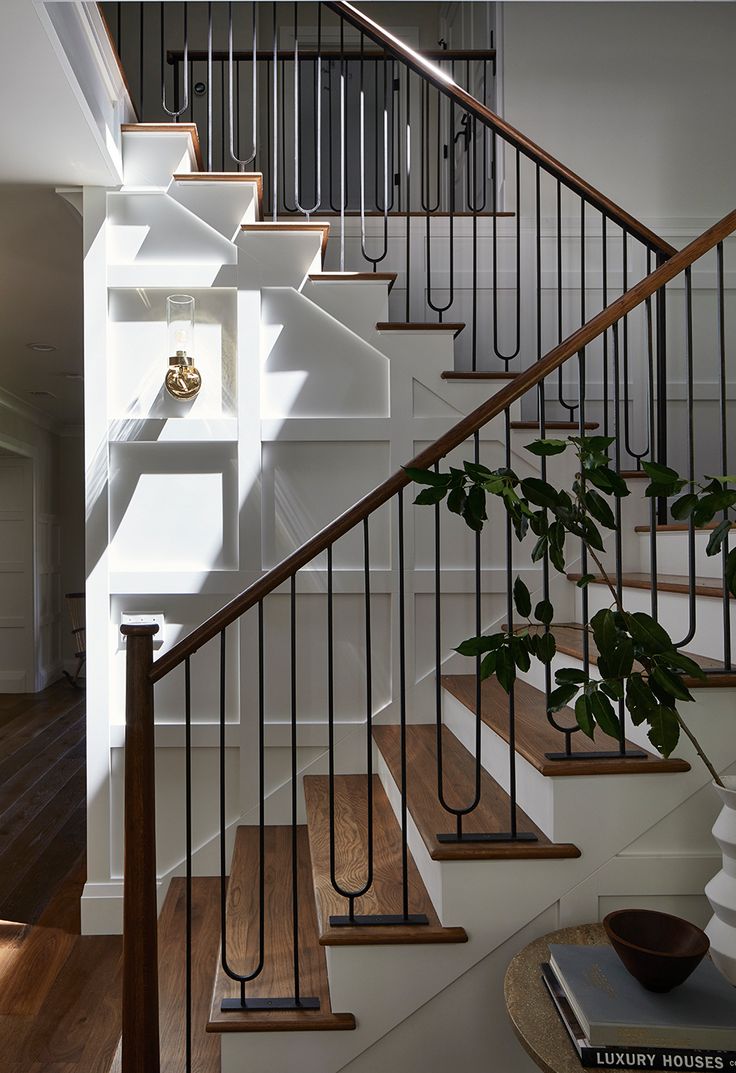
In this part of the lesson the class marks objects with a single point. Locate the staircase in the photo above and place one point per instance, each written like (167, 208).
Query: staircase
(424, 825)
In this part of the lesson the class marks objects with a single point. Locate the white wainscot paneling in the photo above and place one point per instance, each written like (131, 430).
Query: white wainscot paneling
(311, 649)
(306, 485)
(182, 615)
(170, 808)
(139, 354)
(173, 507)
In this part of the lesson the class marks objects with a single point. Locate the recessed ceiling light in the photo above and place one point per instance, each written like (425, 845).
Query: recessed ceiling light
(43, 394)
(43, 348)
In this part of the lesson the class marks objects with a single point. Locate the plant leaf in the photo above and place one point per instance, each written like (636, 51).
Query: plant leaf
(585, 580)
(559, 698)
(543, 448)
(488, 665)
(584, 715)
(505, 668)
(429, 496)
(544, 612)
(717, 537)
(600, 510)
(476, 646)
(605, 715)
(664, 730)
(683, 507)
(546, 647)
(539, 492)
(428, 476)
(649, 634)
(571, 675)
(671, 683)
(522, 599)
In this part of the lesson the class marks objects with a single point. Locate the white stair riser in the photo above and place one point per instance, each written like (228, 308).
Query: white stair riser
(673, 554)
(151, 158)
(672, 613)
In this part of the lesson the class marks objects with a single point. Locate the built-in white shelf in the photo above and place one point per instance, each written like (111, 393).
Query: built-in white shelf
(171, 277)
(132, 430)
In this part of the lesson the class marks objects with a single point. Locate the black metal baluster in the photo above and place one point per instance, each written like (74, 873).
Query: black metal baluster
(343, 178)
(406, 916)
(646, 450)
(242, 162)
(571, 407)
(662, 395)
(375, 261)
(407, 205)
(690, 404)
(652, 503)
(506, 358)
(317, 115)
(141, 65)
(177, 110)
(722, 408)
(604, 287)
(439, 309)
(275, 120)
(284, 140)
(242, 1003)
(210, 88)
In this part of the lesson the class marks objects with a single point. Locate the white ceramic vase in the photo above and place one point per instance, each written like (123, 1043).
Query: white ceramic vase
(721, 891)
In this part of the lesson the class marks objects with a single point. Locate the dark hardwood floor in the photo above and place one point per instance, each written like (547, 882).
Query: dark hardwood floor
(59, 990)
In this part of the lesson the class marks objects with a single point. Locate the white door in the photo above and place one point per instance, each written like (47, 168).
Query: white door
(17, 663)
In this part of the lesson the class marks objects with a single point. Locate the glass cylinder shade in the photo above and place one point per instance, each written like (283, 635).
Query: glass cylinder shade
(180, 324)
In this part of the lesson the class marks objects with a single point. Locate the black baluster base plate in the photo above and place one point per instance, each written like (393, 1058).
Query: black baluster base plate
(495, 836)
(377, 920)
(614, 754)
(233, 1005)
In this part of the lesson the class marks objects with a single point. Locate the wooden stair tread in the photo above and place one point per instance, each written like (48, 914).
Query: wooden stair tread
(449, 374)
(277, 979)
(634, 474)
(555, 425)
(351, 842)
(349, 277)
(290, 225)
(169, 128)
(491, 815)
(678, 527)
(569, 639)
(414, 326)
(535, 736)
(704, 586)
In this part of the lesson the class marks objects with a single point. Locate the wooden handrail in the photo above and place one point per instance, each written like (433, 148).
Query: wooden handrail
(441, 81)
(475, 420)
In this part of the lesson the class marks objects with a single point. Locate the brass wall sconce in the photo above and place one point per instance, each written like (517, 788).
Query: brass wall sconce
(183, 380)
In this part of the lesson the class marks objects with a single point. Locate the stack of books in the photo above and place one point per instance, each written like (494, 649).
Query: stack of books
(614, 1022)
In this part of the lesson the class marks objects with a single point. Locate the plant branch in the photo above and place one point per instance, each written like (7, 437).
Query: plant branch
(699, 749)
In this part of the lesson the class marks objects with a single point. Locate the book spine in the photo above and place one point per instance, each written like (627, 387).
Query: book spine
(670, 1059)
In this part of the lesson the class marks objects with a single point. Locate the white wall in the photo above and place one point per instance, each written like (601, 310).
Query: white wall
(71, 518)
(635, 97)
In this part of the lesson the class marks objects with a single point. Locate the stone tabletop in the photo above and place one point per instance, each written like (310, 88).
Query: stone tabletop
(534, 1018)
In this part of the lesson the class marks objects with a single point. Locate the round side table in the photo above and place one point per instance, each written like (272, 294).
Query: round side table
(533, 1015)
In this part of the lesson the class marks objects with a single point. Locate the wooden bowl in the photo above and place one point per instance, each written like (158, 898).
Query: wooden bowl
(659, 950)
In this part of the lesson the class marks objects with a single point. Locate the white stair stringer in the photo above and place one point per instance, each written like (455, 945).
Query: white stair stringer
(359, 304)
(151, 155)
(148, 227)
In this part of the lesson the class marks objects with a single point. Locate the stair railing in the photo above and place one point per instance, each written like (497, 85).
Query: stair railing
(406, 154)
(290, 579)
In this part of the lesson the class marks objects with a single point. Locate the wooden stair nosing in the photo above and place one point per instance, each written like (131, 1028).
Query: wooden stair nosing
(568, 640)
(414, 326)
(286, 226)
(276, 979)
(351, 840)
(535, 736)
(678, 583)
(169, 128)
(679, 527)
(360, 277)
(449, 374)
(634, 474)
(553, 425)
(431, 818)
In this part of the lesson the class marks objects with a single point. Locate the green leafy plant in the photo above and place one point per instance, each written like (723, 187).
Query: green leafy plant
(640, 666)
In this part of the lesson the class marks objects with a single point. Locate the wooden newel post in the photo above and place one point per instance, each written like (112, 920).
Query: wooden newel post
(140, 1043)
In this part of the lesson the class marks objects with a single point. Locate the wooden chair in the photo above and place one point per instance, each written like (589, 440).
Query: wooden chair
(75, 603)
